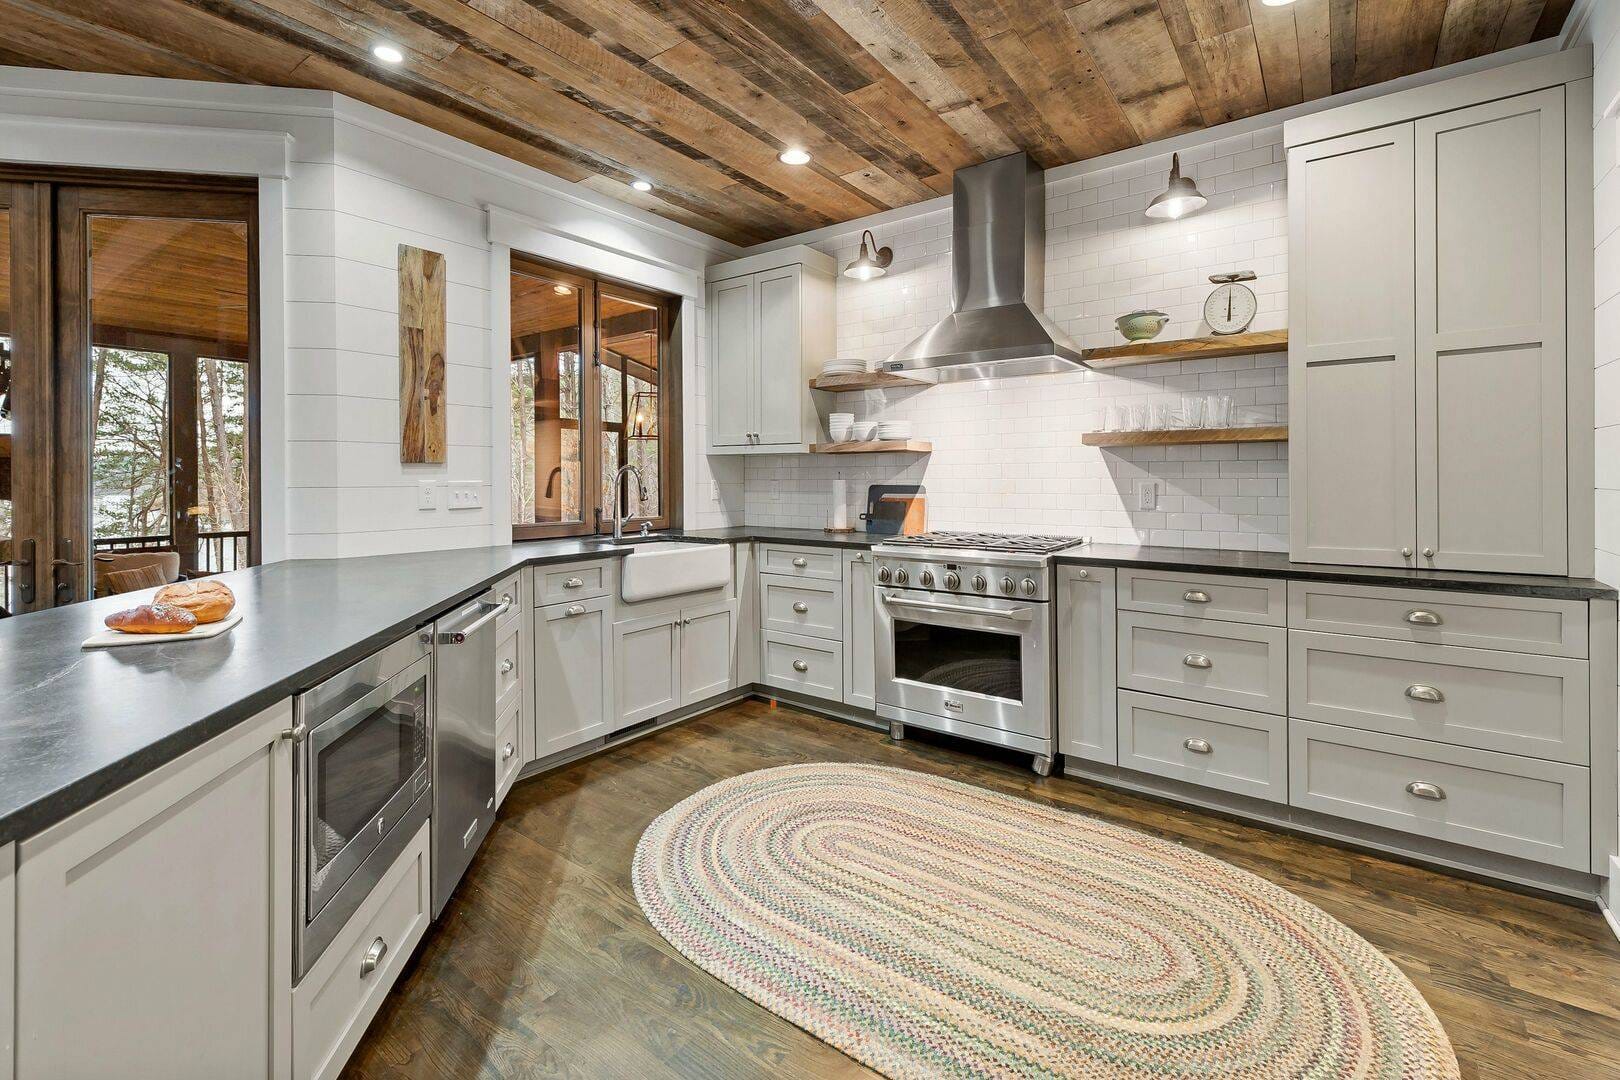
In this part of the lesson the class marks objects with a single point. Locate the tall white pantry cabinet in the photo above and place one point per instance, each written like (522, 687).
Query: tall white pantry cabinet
(1437, 412)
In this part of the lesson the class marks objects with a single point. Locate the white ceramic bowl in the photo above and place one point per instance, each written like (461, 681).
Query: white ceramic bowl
(865, 430)
(840, 432)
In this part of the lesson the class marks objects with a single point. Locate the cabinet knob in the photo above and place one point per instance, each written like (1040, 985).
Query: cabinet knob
(1419, 617)
(507, 751)
(1419, 692)
(1195, 596)
(801, 563)
(1428, 553)
(800, 666)
(507, 665)
(801, 607)
(1197, 660)
(295, 733)
(1406, 553)
(1425, 790)
(577, 609)
(1082, 574)
(574, 583)
(373, 957)
(1199, 746)
(506, 598)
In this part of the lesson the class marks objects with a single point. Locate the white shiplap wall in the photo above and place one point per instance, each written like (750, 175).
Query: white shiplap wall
(1007, 453)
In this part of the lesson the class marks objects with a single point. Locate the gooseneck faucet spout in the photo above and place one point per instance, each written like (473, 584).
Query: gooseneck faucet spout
(618, 512)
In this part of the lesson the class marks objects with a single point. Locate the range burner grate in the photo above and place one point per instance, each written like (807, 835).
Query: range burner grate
(987, 541)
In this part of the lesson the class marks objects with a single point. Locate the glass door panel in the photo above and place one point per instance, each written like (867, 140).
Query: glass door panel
(630, 334)
(548, 381)
(8, 602)
(224, 466)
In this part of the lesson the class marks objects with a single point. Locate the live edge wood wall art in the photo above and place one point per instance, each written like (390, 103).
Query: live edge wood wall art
(421, 356)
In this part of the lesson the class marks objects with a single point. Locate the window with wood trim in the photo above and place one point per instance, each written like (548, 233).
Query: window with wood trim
(595, 384)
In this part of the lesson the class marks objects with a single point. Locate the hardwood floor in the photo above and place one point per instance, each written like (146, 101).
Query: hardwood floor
(544, 966)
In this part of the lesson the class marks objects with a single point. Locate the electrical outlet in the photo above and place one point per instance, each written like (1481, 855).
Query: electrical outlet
(427, 495)
(714, 491)
(464, 496)
(1147, 494)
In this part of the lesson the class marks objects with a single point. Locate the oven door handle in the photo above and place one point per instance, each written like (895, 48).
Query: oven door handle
(1021, 614)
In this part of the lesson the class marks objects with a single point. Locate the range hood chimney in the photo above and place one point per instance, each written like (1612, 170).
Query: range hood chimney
(998, 282)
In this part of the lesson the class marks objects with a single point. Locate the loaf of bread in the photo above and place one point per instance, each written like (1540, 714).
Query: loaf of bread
(207, 599)
(152, 619)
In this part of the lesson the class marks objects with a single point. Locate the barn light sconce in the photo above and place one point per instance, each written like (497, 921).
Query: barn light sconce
(869, 264)
(1180, 198)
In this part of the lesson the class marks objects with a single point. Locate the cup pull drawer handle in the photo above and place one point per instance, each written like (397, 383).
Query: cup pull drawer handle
(1425, 790)
(801, 607)
(800, 666)
(373, 957)
(1423, 618)
(1419, 692)
(507, 751)
(507, 665)
(1197, 660)
(574, 583)
(801, 563)
(1195, 596)
(577, 609)
(1199, 746)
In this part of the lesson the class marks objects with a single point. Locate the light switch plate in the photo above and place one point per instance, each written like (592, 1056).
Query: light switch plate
(464, 496)
(1147, 495)
(427, 495)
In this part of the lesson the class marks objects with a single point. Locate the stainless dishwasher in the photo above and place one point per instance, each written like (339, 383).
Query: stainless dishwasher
(463, 739)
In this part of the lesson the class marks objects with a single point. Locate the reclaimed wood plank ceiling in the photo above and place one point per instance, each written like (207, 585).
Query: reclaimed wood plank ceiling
(697, 97)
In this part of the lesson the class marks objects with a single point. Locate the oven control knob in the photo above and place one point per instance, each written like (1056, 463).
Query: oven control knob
(1007, 585)
(1028, 585)
(953, 580)
(900, 576)
(883, 574)
(927, 579)
(979, 584)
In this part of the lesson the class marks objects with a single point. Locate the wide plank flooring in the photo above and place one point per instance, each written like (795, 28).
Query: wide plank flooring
(544, 966)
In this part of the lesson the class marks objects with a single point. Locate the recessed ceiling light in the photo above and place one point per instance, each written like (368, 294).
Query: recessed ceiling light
(1276, 3)
(561, 290)
(641, 185)
(794, 156)
(388, 54)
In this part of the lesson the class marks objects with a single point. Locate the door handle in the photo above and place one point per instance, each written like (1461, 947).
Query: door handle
(459, 637)
(25, 573)
(1197, 660)
(64, 589)
(1011, 615)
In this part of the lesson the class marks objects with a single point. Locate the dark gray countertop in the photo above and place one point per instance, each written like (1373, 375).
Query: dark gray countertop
(75, 724)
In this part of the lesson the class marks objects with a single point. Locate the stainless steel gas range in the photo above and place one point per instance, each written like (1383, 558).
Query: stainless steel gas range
(965, 637)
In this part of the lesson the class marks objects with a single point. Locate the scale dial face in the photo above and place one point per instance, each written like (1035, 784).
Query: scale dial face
(1230, 309)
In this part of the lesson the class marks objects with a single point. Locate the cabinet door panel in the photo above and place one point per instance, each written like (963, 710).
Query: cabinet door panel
(1352, 453)
(1490, 337)
(646, 667)
(860, 667)
(733, 356)
(571, 689)
(1087, 703)
(708, 650)
(781, 389)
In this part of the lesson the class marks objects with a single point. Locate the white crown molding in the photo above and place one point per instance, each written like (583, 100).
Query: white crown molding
(531, 236)
(57, 140)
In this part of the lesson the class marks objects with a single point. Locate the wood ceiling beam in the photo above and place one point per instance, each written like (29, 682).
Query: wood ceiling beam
(1140, 62)
(1219, 55)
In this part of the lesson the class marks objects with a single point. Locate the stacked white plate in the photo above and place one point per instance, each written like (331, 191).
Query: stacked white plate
(894, 429)
(844, 367)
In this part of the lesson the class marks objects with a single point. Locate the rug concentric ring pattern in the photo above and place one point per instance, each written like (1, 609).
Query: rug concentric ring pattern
(930, 928)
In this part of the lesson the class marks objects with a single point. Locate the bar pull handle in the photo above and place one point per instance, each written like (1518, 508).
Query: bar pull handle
(1419, 692)
(1419, 617)
(1195, 596)
(1198, 746)
(1197, 660)
(1424, 790)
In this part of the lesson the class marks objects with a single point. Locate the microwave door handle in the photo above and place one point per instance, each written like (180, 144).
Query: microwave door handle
(1022, 614)
(459, 637)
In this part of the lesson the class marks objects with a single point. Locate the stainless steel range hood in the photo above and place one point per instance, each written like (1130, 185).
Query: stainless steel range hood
(998, 282)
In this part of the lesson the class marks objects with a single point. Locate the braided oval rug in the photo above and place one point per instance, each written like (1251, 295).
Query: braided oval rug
(929, 928)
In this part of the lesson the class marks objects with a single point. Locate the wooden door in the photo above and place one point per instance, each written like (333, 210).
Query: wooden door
(1351, 451)
(165, 908)
(708, 650)
(28, 416)
(1087, 703)
(860, 671)
(733, 362)
(781, 389)
(646, 667)
(571, 649)
(1491, 482)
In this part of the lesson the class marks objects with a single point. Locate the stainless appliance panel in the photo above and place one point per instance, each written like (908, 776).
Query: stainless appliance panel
(464, 766)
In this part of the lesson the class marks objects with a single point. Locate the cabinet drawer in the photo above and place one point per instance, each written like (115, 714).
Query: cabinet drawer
(1515, 623)
(508, 671)
(506, 592)
(1205, 596)
(337, 999)
(565, 584)
(1510, 702)
(1230, 749)
(1222, 663)
(802, 606)
(1517, 806)
(508, 758)
(807, 665)
(824, 563)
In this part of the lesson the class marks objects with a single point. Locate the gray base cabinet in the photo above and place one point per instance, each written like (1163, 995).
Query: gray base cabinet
(573, 688)
(1085, 663)
(860, 665)
(675, 658)
(161, 916)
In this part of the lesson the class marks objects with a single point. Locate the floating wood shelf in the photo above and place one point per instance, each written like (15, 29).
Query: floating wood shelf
(1165, 352)
(875, 446)
(1184, 436)
(866, 380)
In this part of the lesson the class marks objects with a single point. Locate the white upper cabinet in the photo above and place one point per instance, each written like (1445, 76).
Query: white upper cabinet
(1490, 337)
(1428, 319)
(770, 330)
(1352, 484)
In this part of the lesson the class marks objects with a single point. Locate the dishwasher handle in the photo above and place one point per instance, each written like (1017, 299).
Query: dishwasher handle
(459, 637)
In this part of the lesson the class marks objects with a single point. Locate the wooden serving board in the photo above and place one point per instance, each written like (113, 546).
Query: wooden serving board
(111, 639)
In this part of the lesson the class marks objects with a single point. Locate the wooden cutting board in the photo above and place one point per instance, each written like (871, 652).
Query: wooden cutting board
(112, 639)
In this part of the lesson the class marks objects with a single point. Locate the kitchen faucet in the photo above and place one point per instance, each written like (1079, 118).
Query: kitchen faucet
(618, 513)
